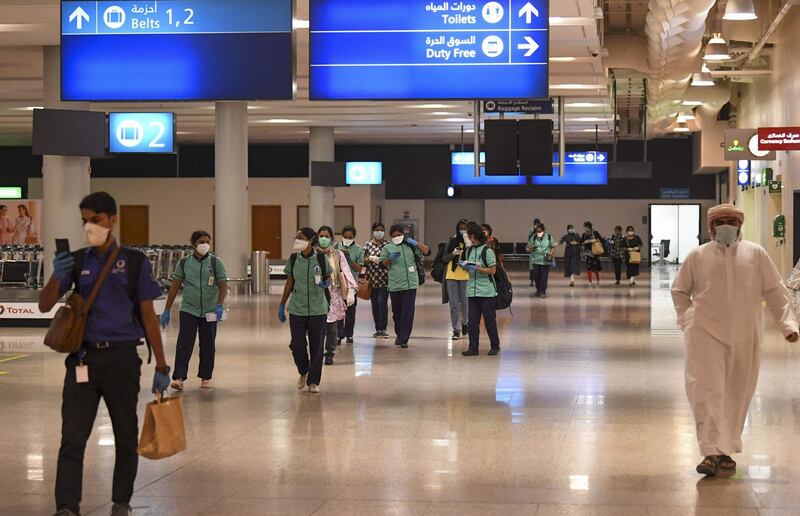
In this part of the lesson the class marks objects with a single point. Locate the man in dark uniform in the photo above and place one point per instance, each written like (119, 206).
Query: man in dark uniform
(108, 364)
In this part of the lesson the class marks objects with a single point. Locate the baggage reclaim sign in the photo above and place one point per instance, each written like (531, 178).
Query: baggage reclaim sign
(415, 49)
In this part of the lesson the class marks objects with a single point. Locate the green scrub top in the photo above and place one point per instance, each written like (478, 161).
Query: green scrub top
(307, 298)
(356, 254)
(403, 272)
(539, 249)
(200, 286)
(480, 284)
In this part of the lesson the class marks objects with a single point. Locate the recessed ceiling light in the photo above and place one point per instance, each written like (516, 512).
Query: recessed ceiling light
(577, 87)
(562, 59)
(584, 104)
(692, 103)
(443, 113)
(432, 106)
(589, 119)
(682, 128)
(686, 117)
(298, 23)
(457, 120)
(600, 130)
(281, 121)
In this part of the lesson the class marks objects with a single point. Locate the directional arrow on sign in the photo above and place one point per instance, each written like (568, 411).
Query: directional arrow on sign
(528, 11)
(531, 46)
(80, 15)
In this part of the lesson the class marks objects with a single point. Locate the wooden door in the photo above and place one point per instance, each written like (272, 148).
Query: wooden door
(134, 225)
(266, 230)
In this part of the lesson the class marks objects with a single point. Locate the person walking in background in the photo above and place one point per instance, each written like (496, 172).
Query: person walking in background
(378, 277)
(355, 258)
(532, 231)
(400, 257)
(6, 227)
(22, 227)
(481, 262)
(342, 289)
(572, 254)
(493, 243)
(454, 291)
(202, 276)
(592, 242)
(718, 295)
(541, 246)
(616, 252)
(633, 254)
(308, 277)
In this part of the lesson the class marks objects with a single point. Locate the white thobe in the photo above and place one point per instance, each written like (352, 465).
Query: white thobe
(718, 295)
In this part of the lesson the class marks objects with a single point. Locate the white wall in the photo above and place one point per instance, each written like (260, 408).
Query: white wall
(394, 209)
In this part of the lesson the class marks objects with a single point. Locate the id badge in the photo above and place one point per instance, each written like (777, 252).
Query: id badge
(82, 374)
(211, 281)
(412, 269)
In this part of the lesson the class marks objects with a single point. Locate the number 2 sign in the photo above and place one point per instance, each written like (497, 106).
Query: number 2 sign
(141, 133)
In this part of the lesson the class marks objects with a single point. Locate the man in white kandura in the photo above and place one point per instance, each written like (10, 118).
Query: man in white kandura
(718, 296)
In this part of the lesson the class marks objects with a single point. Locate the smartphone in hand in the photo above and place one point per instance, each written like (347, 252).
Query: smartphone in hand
(62, 245)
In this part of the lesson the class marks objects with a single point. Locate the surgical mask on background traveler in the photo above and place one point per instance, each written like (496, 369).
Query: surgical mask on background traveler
(203, 249)
(540, 234)
(379, 235)
(347, 242)
(463, 232)
(630, 233)
(571, 231)
(726, 235)
(94, 235)
(398, 240)
(324, 242)
(300, 245)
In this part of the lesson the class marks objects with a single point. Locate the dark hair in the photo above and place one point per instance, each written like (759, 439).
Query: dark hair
(397, 228)
(570, 226)
(588, 224)
(461, 222)
(476, 232)
(541, 226)
(378, 225)
(617, 228)
(197, 235)
(327, 229)
(630, 228)
(488, 228)
(24, 208)
(536, 221)
(3, 207)
(349, 228)
(100, 202)
(310, 234)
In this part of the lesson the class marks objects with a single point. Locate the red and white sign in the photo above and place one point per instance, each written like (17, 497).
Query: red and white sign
(22, 310)
(779, 138)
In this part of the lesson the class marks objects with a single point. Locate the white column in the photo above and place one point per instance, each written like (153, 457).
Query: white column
(65, 178)
(322, 200)
(232, 236)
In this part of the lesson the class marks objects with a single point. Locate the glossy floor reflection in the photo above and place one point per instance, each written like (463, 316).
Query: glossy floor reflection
(583, 413)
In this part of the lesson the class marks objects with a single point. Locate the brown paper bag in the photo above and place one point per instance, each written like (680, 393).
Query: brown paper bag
(163, 434)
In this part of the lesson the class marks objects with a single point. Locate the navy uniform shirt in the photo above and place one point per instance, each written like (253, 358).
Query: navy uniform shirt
(112, 317)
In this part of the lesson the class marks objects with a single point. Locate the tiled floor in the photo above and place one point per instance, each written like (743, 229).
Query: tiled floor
(582, 414)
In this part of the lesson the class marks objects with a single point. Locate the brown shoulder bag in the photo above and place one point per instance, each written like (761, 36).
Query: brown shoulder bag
(65, 334)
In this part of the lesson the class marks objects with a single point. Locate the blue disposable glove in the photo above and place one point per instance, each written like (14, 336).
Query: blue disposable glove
(63, 265)
(164, 319)
(394, 256)
(324, 284)
(219, 310)
(410, 241)
(160, 382)
(282, 313)
(469, 266)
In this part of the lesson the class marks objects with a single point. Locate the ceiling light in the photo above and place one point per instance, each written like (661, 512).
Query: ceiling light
(562, 59)
(457, 120)
(589, 119)
(281, 121)
(740, 10)
(443, 113)
(432, 106)
(585, 104)
(297, 23)
(686, 117)
(703, 78)
(600, 130)
(692, 103)
(682, 128)
(577, 87)
(717, 49)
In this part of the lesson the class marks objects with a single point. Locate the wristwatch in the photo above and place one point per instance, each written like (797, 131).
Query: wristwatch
(165, 371)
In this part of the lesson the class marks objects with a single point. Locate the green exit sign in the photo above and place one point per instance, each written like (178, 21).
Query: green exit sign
(10, 192)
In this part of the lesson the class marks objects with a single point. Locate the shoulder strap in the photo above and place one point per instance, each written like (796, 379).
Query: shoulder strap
(100, 281)
(79, 256)
(484, 253)
(214, 266)
(135, 261)
(322, 266)
(293, 260)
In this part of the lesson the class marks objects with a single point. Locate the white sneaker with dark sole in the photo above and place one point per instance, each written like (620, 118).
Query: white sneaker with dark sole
(314, 389)
(301, 382)
(176, 385)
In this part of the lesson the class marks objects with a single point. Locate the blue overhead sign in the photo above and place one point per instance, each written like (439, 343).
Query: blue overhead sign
(581, 168)
(177, 50)
(142, 133)
(415, 49)
(364, 173)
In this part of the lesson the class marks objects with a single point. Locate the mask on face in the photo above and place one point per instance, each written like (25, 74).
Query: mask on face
(398, 240)
(203, 249)
(300, 245)
(94, 235)
(379, 235)
(540, 234)
(571, 231)
(630, 233)
(347, 242)
(324, 242)
(726, 235)
(463, 232)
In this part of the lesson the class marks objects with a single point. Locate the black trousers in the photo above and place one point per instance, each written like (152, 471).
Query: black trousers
(541, 276)
(403, 308)
(347, 326)
(113, 376)
(331, 338)
(380, 308)
(483, 307)
(308, 342)
(187, 334)
(617, 268)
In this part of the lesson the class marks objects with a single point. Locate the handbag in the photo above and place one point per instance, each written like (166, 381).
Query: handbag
(598, 249)
(364, 289)
(635, 257)
(163, 433)
(66, 332)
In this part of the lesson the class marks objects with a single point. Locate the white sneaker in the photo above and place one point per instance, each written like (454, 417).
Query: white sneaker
(301, 382)
(206, 384)
(314, 389)
(176, 385)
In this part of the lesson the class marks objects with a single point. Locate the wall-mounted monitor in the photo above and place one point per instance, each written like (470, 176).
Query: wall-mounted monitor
(141, 133)
(328, 173)
(418, 49)
(177, 50)
(63, 132)
(364, 172)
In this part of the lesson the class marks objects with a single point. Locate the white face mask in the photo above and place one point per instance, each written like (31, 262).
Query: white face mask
(398, 240)
(540, 234)
(300, 245)
(94, 235)
(379, 235)
(726, 235)
(203, 249)
(347, 242)
(630, 233)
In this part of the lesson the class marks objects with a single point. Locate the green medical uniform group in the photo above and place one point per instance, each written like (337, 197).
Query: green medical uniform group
(403, 284)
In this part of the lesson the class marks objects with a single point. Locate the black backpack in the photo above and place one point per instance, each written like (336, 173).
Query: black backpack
(439, 265)
(505, 291)
(419, 264)
(322, 268)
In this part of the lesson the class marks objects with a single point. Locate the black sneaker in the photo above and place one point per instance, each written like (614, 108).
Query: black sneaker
(385, 335)
(456, 335)
(328, 360)
(469, 353)
(349, 340)
(377, 335)
(397, 342)
(465, 329)
(404, 345)
(493, 352)
(121, 509)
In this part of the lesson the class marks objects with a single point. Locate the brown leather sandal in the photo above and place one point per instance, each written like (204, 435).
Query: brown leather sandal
(726, 462)
(709, 466)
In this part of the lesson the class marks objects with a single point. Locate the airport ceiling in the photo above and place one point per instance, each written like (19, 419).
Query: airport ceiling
(576, 72)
